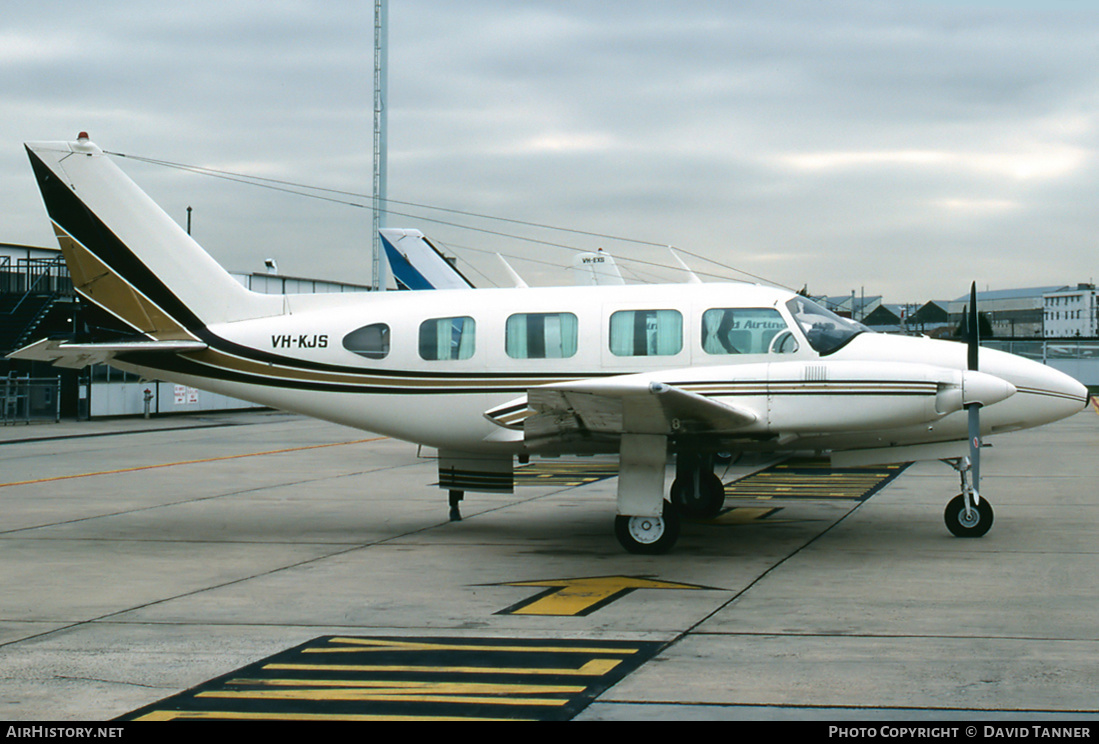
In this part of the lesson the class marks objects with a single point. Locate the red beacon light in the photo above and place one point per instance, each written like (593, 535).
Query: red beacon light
(82, 137)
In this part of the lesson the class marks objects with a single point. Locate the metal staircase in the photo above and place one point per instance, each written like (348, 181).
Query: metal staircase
(36, 297)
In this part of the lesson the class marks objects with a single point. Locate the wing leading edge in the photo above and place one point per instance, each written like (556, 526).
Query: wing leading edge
(850, 402)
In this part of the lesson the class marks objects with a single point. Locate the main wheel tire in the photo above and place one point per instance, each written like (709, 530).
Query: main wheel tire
(648, 535)
(973, 525)
(706, 503)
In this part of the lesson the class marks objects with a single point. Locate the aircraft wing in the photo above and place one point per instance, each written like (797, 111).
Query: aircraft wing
(613, 406)
(75, 355)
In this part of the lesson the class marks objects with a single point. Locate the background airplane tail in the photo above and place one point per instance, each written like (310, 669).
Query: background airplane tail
(129, 257)
(417, 264)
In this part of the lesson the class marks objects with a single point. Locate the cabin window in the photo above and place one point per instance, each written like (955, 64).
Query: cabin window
(541, 336)
(370, 341)
(646, 333)
(743, 330)
(447, 338)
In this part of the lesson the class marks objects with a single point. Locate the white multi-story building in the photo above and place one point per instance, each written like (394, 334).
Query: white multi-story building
(1011, 313)
(1071, 312)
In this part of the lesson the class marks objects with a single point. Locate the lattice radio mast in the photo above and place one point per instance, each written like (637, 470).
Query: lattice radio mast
(381, 63)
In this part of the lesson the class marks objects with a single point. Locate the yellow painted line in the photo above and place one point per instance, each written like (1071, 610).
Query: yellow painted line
(594, 668)
(378, 696)
(579, 596)
(377, 644)
(229, 715)
(417, 686)
(564, 473)
(744, 515)
(812, 480)
(1095, 403)
(187, 462)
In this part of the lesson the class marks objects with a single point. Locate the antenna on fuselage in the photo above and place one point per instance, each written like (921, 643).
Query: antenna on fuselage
(692, 278)
(516, 280)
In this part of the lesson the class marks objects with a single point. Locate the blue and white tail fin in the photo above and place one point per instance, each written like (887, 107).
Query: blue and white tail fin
(129, 257)
(417, 264)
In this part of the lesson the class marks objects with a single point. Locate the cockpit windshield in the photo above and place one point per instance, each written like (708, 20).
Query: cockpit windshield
(825, 331)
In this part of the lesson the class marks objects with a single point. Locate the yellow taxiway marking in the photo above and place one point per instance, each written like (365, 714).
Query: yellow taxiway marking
(414, 686)
(743, 515)
(594, 668)
(230, 715)
(378, 644)
(567, 473)
(414, 679)
(573, 597)
(187, 462)
(356, 695)
(814, 480)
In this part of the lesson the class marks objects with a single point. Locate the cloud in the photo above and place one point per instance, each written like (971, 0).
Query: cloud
(1038, 163)
(827, 143)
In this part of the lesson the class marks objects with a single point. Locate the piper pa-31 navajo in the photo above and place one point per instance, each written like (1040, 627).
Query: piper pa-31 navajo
(489, 375)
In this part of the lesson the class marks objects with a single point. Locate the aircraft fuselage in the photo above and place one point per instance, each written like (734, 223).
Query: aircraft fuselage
(874, 391)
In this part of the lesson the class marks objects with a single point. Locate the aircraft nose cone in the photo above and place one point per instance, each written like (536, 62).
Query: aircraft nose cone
(1043, 395)
(1070, 388)
(1061, 395)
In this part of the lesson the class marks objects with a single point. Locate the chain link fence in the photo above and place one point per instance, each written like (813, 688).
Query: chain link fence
(27, 399)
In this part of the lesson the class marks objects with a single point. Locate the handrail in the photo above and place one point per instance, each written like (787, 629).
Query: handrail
(47, 266)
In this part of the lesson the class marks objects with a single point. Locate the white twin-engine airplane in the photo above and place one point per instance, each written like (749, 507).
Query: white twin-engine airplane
(489, 375)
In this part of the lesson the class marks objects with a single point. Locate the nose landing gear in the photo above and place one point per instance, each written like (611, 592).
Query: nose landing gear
(967, 514)
(964, 520)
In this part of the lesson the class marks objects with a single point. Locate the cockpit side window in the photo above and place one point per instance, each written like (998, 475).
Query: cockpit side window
(744, 330)
(370, 341)
(825, 331)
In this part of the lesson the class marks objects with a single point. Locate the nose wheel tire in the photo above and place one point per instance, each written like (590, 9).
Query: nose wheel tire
(648, 535)
(974, 524)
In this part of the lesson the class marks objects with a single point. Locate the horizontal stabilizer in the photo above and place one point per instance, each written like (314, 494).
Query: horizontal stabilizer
(76, 355)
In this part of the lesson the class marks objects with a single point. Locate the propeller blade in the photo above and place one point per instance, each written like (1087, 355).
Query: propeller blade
(975, 449)
(974, 334)
(974, 343)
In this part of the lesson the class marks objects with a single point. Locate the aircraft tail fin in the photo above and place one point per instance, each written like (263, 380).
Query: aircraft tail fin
(417, 264)
(129, 257)
(596, 269)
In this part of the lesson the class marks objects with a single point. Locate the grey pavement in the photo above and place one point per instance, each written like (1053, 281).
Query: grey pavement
(141, 558)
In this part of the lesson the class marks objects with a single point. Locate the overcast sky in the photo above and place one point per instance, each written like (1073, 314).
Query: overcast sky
(905, 148)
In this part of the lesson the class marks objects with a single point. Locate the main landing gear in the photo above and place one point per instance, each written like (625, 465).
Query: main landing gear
(696, 493)
(967, 514)
(648, 535)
